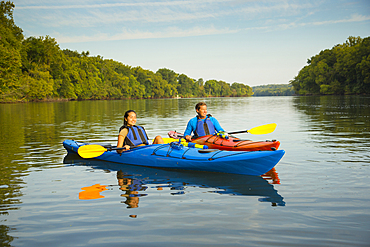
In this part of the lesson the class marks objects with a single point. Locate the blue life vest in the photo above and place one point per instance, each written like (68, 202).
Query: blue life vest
(205, 127)
(136, 135)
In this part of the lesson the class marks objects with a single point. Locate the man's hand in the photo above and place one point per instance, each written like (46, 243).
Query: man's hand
(223, 134)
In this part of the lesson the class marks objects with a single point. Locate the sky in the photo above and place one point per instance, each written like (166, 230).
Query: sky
(254, 42)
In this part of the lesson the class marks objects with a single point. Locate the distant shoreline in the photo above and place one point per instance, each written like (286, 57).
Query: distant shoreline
(64, 100)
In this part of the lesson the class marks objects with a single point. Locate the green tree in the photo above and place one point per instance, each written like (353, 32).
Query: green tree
(342, 70)
(212, 88)
(200, 84)
(169, 75)
(39, 83)
(11, 37)
(225, 89)
(138, 90)
(171, 78)
(239, 89)
(185, 86)
(36, 68)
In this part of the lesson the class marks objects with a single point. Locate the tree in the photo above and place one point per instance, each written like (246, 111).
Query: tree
(212, 88)
(169, 75)
(225, 89)
(239, 89)
(342, 70)
(10, 58)
(185, 86)
(39, 83)
(36, 68)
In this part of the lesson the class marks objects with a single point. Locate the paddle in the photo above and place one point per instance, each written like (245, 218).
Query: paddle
(93, 150)
(260, 130)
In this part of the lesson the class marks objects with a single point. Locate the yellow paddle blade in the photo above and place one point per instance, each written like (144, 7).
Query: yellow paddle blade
(91, 151)
(167, 140)
(263, 129)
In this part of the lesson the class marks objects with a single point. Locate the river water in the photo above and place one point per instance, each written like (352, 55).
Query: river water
(317, 195)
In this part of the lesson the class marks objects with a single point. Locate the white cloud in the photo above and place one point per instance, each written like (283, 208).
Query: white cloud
(135, 12)
(85, 15)
(67, 5)
(296, 24)
(163, 19)
(354, 18)
(128, 34)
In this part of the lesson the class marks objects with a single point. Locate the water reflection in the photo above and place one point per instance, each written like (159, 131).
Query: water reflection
(337, 122)
(337, 114)
(131, 187)
(92, 192)
(133, 180)
(5, 239)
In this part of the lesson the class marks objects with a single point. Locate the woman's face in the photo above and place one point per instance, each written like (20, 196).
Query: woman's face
(131, 119)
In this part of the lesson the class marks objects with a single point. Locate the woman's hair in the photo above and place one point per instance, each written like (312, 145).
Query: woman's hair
(197, 106)
(126, 116)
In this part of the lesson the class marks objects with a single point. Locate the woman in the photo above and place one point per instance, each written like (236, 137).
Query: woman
(131, 135)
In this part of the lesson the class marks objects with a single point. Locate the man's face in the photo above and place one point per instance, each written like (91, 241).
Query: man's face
(202, 112)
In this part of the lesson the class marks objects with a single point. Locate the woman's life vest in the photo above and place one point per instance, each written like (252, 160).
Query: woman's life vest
(205, 127)
(136, 135)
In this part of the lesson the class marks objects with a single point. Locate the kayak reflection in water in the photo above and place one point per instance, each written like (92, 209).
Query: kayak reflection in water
(131, 187)
(202, 124)
(131, 135)
(271, 175)
(92, 192)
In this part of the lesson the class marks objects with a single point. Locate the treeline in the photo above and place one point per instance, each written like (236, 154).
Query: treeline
(35, 68)
(273, 90)
(344, 69)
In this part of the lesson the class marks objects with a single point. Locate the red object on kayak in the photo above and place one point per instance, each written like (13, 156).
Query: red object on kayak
(230, 144)
(235, 144)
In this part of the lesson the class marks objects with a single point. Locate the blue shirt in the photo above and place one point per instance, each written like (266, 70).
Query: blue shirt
(192, 125)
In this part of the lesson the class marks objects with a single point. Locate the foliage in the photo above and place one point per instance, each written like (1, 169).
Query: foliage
(345, 69)
(273, 90)
(10, 59)
(35, 68)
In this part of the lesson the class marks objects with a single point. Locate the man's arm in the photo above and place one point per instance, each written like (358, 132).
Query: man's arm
(190, 128)
(217, 125)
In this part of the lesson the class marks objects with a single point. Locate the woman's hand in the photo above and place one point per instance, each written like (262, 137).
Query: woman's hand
(124, 148)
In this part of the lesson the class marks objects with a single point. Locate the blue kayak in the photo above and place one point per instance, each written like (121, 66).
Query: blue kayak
(180, 157)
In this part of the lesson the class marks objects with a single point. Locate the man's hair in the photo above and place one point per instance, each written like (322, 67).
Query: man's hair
(197, 106)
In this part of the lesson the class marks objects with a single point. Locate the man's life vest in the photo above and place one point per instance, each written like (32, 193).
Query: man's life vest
(205, 127)
(136, 135)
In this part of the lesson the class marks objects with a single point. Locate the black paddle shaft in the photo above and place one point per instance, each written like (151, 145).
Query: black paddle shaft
(238, 132)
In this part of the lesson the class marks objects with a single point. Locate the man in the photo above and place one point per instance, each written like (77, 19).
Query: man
(202, 124)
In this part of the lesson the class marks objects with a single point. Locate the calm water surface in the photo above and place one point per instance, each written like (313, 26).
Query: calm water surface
(318, 194)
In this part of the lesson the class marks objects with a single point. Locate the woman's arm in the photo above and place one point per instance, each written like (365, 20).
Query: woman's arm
(121, 139)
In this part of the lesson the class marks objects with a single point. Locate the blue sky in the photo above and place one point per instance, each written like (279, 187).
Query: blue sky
(254, 42)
